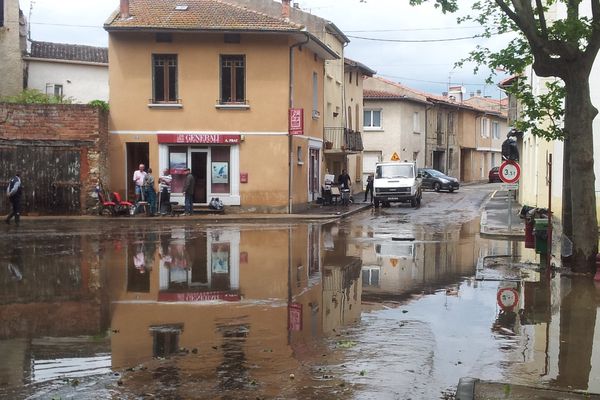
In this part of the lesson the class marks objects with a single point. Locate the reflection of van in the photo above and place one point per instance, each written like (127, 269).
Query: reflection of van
(396, 182)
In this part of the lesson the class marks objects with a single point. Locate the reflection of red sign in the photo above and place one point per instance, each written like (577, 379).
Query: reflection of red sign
(198, 296)
(296, 121)
(507, 298)
(243, 177)
(193, 138)
(295, 317)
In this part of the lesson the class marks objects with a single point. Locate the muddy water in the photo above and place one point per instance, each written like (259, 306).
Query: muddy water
(352, 310)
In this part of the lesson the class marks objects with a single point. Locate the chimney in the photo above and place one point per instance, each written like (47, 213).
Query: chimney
(285, 9)
(124, 9)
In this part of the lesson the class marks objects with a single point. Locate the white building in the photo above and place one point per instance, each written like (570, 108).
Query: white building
(70, 71)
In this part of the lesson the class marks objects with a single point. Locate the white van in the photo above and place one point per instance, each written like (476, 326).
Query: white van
(396, 182)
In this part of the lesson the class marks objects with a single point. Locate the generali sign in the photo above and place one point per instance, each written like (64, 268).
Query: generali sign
(296, 121)
(197, 138)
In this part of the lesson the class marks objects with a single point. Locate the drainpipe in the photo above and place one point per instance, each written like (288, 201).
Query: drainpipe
(291, 105)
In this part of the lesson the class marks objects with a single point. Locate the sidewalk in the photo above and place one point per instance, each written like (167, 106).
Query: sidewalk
(494, 217)
(474, 389)
(314, 212)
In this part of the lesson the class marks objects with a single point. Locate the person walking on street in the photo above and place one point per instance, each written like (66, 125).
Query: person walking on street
(164, 188)
(14, 191)
(369, 188)
(149, 193)
(188, 190)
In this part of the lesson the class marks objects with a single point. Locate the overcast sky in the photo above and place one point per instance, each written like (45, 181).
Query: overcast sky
(422, 65)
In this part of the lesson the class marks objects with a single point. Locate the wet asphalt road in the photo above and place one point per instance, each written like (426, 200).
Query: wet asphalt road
(381, 305)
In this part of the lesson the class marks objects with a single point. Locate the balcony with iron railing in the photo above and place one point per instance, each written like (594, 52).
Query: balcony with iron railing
(342, 140)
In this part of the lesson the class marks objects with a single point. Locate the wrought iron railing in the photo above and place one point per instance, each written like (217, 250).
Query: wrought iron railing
(342, 139)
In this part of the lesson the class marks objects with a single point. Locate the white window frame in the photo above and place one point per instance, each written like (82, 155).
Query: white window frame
(495, 129)
(416, 122)
(485, 127)
(373, 127)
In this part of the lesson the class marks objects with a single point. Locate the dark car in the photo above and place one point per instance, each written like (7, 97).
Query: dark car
(494, 175)
(436, 180)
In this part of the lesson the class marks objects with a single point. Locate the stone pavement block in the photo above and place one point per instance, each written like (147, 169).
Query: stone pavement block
(494, 390)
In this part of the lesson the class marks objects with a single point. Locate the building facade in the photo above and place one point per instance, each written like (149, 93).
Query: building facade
(13, 33)
(74, 72)
(212, 90)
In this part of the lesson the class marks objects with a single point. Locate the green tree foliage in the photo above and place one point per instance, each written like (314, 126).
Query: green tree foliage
(563, 47)
(33, 96)
(101, 104)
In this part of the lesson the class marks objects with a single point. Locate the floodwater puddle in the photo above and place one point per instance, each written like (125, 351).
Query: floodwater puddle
(339, 310)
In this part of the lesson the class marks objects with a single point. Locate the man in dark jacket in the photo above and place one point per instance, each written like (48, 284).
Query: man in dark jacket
(188, 190)
(14, 191)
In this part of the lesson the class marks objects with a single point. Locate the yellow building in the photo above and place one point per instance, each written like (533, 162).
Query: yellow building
(209, 86)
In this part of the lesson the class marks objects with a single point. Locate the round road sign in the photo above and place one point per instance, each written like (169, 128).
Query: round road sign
(509, 171)
(507, 298)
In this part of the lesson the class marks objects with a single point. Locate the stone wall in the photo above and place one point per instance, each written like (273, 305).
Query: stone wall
(35, 139)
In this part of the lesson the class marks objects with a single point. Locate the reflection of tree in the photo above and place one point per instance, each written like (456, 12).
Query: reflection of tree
(577, 326)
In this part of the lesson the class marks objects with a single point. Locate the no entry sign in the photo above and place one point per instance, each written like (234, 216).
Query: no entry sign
(510, 171)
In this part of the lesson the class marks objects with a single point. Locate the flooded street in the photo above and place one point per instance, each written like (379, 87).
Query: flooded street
(393, 303)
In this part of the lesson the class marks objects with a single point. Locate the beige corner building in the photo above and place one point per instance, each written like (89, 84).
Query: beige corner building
(13, 32)
(209, 86)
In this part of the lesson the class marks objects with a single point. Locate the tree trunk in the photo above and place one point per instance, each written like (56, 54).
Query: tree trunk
(567, 213)
(579, 115)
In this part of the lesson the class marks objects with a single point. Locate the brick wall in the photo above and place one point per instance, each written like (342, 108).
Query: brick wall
(73, 127)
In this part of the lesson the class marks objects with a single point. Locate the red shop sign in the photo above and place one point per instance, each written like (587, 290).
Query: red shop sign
(296, 121)
(295, 317)
(198, 296)
(197, 138)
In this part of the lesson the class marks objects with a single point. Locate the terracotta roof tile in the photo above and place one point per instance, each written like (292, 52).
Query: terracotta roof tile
(199, 15)
(380, 94)
(71, 52)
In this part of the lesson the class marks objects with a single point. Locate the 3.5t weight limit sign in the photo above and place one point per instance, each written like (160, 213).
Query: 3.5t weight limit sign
(510, 171)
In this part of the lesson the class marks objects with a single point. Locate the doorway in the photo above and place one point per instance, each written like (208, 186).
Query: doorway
(438, 161)
(137, 153)
(198, 168)
(313, 174)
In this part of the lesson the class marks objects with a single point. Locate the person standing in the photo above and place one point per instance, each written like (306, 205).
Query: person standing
(188, 190)
(164, 188)
(149, 193)
(14, 191)
(138, 179)
(344, 180)
(369, 188)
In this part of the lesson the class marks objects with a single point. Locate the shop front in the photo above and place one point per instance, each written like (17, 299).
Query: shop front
(213, 160)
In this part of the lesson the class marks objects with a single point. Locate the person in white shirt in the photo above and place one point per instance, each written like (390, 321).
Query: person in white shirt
(139, 177)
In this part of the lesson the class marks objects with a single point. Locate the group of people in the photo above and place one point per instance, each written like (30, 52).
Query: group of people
(345, 182)
(144, 190)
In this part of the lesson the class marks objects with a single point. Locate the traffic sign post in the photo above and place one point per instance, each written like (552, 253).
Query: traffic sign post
(510, 173)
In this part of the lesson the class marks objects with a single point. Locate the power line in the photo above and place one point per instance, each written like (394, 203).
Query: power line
(415, 29)
(401, 78)
(415, 40)
(67, 25)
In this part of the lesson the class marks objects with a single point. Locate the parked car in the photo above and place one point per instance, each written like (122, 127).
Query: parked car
(494, 175)
(436, 180)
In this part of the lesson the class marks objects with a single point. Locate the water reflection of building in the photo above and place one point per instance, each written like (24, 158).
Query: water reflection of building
(423, 259)
(342, 288)
(48, 288)
(235, 295)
